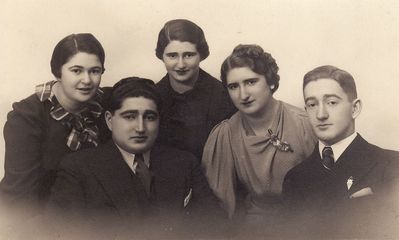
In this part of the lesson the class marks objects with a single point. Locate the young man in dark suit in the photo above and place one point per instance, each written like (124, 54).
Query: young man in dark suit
(347, 187)
(131, 180)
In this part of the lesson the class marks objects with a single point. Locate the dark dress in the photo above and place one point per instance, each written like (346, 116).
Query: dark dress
(188, 118)
(35, 142)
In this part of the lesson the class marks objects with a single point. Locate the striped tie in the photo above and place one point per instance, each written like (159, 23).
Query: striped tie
(328, 157)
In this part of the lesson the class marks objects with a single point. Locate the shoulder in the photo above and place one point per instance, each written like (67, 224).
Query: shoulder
(360, 144)
(306, 167)
(222, 132)
(300, 119)
(294, 111)
(30, 104)
(224, 127)
(30, 109)
(85, 160)
(163, 83)
(172, 152)
(173, 157)
(383, 156)
(210, 81)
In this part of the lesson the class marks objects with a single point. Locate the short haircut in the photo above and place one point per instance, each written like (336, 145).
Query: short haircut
(342, 77)
(184, 31)
(133, 87)
(71, 45)
(253, 57)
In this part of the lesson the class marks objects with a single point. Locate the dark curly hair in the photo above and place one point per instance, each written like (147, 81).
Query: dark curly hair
(185, 31)
(253, 57)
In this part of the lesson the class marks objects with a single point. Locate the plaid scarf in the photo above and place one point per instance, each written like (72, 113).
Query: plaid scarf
(82, 126)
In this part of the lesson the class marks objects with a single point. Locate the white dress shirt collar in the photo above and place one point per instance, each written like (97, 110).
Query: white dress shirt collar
(129, 158)
(339, 147)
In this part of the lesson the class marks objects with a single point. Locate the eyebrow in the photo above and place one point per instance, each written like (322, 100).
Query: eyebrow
(324, 97)
(151, 112)
(250, 79)
(331, 95)
(187, 52)
(309, 98)
(79, 66)
(137, 111)
(75, 66)
(128, 112)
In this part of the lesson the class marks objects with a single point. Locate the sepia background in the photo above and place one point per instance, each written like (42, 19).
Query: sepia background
(360, 36)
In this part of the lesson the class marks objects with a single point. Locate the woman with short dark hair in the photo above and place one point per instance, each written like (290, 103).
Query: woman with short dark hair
(62, 116)
(193, 100)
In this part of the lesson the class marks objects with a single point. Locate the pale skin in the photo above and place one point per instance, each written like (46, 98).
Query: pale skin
(134, 125)
(79, 81)
(252, 96)
(331, 112)
(182, 61)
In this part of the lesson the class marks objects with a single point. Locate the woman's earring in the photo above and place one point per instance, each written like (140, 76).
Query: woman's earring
(272, 87)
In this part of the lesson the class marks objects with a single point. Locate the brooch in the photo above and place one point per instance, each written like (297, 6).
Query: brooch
(280, 145)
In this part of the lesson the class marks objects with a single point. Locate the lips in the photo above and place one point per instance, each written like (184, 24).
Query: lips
(181, 72)
(85, 90)
(247, 103)
(323, 126)
(139, 139)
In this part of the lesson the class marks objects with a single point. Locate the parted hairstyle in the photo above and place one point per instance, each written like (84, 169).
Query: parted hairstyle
(132, 87)
(71, 45)
(342, 77)
(255, 58)
(184, 31)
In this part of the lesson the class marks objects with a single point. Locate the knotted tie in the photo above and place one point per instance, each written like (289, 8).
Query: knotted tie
(328, 157)
(143, 172)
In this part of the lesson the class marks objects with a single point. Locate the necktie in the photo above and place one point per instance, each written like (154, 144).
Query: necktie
(143, 173)
(328, 157)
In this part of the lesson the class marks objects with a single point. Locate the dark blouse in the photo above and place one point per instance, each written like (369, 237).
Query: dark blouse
(35, 142)
(188, 118)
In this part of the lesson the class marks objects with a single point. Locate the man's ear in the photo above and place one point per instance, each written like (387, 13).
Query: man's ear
(108, 119)
(356, 107)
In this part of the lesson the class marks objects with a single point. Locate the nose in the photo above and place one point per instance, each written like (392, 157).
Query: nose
(322, 113)
(86, 78)
(243, 93)
(140, 128)
(181, 63)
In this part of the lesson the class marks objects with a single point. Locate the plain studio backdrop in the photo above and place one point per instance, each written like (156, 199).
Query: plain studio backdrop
(361, 37)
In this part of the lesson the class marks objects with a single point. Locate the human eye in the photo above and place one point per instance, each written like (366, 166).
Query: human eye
(96, 71)
(311, 104)
(190, 54)
(251, 82)
(151, 117)
(129, 116)
(76, 70)
(332, 102)
(232, 86)
(171, 55)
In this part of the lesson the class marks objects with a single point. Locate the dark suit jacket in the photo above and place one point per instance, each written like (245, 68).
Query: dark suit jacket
(323, 195)
(98, 184)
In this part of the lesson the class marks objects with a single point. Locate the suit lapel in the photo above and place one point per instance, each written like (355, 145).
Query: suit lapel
(356, 162)
(115, 176)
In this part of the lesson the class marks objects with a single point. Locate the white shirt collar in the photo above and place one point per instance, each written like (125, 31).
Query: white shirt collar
(129, 158)
(339, 147)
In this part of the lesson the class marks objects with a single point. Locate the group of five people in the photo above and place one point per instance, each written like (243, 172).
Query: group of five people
(191, 152)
